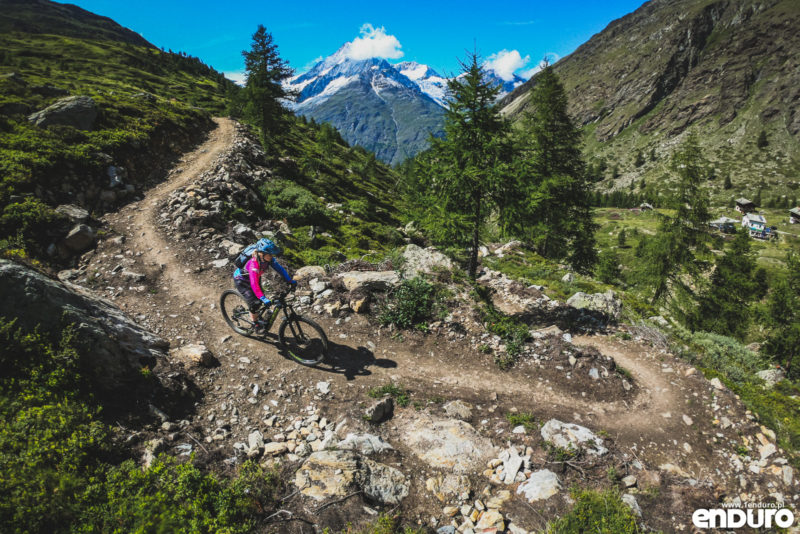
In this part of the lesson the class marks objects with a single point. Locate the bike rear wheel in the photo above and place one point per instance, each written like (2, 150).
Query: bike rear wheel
(304, 340)
(235, 311)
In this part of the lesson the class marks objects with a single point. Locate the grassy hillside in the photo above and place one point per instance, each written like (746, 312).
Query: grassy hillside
(727, 70)
(343, 192)
(151, 104)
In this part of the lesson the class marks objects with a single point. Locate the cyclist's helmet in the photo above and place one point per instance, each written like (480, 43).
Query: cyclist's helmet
(268, 247)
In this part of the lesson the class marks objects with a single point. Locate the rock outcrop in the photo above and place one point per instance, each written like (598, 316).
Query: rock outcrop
(118, 345)
(77, 111)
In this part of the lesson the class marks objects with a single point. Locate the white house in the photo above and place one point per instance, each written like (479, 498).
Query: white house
(757, 225)
(794, 215)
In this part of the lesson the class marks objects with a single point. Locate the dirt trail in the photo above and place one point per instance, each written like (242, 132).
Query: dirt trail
(431, 365)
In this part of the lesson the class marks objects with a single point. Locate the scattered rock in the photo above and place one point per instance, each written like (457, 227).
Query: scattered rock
(369, 280)
(309, 272)
(630, 500)
(572, 436)
(420, 260)
(74, 213)
(717, 383)
(365, 444)
(380, 410)
(447, 488)
(541, 485)
(446, 443)
(606, 303)
(193, 354)
(771, 377)
(458, 409)
(80, 238)
(327, 474)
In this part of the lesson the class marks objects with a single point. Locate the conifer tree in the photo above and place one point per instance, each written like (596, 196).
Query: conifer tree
(265, 71)
(551, 208)
(671, 262)
(783, 305)
(466, 172)
(725, 307)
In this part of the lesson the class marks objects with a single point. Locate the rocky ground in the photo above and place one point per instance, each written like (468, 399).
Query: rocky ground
(463, 445)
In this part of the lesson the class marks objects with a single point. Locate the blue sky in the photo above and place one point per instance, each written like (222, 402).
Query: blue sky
(434, 33)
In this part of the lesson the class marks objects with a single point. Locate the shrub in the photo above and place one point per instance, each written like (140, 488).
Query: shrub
(601, 512)
(525, 419)
(55, 474)
(296, 204)
(411, 304)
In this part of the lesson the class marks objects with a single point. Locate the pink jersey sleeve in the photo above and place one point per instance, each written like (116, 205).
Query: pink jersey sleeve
(254, 270)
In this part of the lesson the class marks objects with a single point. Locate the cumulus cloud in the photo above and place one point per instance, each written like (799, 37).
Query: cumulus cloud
(374, 42)
(237, 76)
(505, 62)
(549, 58)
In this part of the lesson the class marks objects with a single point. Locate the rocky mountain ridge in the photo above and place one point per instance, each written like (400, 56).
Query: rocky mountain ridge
(726, 69)
(389, 109)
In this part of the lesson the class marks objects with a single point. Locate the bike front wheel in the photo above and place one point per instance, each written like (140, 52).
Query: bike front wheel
(235, 311)
(304, 340)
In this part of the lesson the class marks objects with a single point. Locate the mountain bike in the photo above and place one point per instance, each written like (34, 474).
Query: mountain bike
(302, 339)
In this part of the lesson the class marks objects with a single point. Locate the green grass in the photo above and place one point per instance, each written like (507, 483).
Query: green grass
(398, 393)
(39, 165)
(601, 512)
(525, 419)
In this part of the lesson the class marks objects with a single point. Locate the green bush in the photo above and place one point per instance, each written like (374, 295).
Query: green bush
(411, 304)
(601, 512)
(296, 204)
(56, 473)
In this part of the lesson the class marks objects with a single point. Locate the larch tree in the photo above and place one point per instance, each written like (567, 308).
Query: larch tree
(264, 91)
(465, 173)
(551, 208)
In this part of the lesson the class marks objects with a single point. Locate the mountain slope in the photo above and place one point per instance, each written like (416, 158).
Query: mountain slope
(371, 104)
(147, 106)
(45, 17)
(726, 68)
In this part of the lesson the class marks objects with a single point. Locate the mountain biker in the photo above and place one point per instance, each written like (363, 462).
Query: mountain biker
(248, 279)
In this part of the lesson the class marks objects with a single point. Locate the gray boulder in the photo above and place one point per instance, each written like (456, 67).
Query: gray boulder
(572, 436)
(446, 444)
(371, 280)
(380, 410)
(80, 238)
(74, 213)
(420, 260)
(118, 346)
(327, 474)
(771, 377)
(76, 111)
(606, 303)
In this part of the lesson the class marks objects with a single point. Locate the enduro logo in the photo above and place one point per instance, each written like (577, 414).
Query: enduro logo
(737, 518)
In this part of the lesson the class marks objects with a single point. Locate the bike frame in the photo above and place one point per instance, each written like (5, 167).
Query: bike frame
(280, 304)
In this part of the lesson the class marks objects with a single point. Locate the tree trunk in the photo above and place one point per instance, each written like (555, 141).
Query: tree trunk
(473, 255)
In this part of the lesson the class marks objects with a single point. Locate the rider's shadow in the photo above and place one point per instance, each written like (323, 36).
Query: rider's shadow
(351, 361)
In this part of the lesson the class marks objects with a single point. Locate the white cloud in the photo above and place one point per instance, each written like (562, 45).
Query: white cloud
(505, 62)
(374, 42)
(550, 58)
(239, 77)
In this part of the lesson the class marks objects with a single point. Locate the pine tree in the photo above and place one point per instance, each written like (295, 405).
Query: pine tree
(762, 142)
(264, 90)
(551, 207)
(639, 159)
(783, 305)
(465, 176)
(621, 238)
(671, 259)
(727, 184)
(725, 307)
(608, 267)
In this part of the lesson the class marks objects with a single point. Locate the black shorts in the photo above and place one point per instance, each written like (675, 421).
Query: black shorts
(244, 289)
